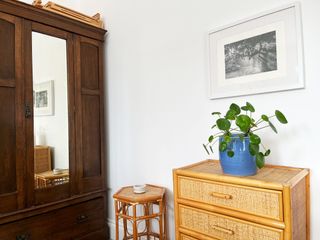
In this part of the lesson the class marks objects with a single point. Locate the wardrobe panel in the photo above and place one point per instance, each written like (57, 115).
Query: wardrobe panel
(89, 66)
(12, 117)
(7, 50)
(91, 156)
(89, 114)
(7, 141)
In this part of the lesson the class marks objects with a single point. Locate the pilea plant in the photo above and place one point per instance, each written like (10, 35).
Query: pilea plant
(239, 123)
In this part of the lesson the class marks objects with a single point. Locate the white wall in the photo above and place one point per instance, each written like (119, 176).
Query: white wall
(158, 113)
(49, 61)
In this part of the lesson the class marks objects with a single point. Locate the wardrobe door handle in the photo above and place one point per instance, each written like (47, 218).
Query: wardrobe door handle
(27, 111)
(82, 218)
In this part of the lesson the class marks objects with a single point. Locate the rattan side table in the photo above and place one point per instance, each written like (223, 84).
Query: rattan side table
(141, 210)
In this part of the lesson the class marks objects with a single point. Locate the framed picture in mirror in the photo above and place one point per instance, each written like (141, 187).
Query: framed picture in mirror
(43, 98)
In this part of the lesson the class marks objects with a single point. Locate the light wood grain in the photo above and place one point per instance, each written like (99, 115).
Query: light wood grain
(224, 227)
(152, 202)
(271, 177)
(42, 159)
(257, 201)
(56, 8)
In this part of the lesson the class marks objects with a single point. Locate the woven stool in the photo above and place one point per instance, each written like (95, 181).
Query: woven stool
(152, 208)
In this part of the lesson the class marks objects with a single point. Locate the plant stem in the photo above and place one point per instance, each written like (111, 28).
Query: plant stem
(217, 134)
(259, 121)
(214, 142)
(260, 128)
(235, 129)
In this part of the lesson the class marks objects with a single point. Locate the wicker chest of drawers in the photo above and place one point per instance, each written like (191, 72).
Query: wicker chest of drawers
(272, 205)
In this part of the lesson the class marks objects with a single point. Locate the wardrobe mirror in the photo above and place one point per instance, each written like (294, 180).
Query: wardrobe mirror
(50, 105)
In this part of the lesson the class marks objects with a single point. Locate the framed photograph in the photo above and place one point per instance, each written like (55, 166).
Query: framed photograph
(43, 98)
(257, 55)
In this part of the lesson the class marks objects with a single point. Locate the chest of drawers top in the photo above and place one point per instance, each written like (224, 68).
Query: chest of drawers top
(270, 177)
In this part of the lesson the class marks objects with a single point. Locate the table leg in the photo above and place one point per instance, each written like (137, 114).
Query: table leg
(117, 218)
(125, 228)
(161, 220)
(165, 218)
(146, 213)
(135, 230)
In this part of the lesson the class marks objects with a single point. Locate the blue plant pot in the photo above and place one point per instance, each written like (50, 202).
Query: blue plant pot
(242, 163)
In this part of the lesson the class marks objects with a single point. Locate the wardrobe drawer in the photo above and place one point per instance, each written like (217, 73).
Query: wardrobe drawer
(79, 219)
(261, 202)
(65, 223)
(223, 227)
(31, 228)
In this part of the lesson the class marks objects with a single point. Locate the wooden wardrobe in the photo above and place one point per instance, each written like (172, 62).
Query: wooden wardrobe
(75, 208)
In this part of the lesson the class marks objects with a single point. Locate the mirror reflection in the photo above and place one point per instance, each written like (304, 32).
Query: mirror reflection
(51, 150)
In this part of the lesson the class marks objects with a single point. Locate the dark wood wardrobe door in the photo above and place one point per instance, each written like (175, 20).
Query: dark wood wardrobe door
(12, 139)
(89, 114)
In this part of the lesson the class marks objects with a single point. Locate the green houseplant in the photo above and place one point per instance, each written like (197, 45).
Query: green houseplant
(236, 132)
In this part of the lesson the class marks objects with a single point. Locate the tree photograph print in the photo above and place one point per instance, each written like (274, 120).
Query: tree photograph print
(252, 55)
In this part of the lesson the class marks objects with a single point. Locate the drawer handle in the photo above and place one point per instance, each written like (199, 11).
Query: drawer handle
(221, 195)
(82, 218)
(224, 230)
(23, 236)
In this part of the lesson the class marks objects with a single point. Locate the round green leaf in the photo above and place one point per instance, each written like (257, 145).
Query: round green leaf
(223, 146)
(281, 117)
(250, 107)
(255, 139)
(243, 122)
(260, 160)
(230, 114)
(265, 118)
(244, 108)
(273, 127)
(253, 149)
(267, 153)
(235, 108)
(210, 139)
(230, 153)
(223, 124)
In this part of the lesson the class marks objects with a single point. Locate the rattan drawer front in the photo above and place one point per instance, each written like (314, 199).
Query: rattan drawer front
(223, 227)
(261, 202)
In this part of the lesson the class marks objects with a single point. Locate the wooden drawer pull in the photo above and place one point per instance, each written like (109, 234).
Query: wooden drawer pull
(224, 230)
(82, 218)
(221, 195)
(23, 236)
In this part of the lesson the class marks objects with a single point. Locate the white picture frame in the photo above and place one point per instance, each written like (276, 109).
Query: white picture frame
(257, 55)
(43, 98)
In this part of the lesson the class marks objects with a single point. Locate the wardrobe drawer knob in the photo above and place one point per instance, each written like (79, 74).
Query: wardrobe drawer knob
(82, 218)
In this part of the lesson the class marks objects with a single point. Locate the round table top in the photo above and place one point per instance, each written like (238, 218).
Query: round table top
(152, 193)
